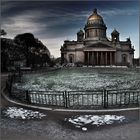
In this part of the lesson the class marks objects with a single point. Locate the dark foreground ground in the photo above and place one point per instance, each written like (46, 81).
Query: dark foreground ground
(52, 127)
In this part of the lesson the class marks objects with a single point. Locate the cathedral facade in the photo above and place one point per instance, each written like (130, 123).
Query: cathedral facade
(94, 48)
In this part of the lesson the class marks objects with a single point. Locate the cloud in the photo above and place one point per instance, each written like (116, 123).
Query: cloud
(23, 23)
(7, 6)
(119, 12)
(53, 22)
(36, 21)
(54, 44)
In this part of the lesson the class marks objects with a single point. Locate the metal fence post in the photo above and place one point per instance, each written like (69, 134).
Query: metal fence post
(68, 100)
(27, 97)
(65, 99)
(105, 98)
(138, 99)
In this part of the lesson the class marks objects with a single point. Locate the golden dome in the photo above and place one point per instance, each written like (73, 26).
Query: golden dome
(95, 16)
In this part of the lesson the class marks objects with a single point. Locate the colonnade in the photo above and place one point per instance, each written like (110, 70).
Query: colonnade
(100, 57)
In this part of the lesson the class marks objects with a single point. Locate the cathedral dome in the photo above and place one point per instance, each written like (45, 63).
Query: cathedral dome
(95, 27)
(95, 18)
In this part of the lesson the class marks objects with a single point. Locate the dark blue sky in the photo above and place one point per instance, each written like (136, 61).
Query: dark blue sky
(54, 21)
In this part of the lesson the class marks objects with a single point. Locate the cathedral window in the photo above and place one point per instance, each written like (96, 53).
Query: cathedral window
(124, 58)
(71, 58)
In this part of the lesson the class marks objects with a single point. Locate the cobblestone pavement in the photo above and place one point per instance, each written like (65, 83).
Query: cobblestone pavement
(52, 127)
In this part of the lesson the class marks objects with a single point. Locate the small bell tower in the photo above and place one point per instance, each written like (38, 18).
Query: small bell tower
(115, 36)
(80, 36)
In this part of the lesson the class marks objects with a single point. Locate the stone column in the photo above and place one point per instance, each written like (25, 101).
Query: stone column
(97, 58)
(87, 58)
(110, 58)
(92, 58)
(114, 58)
(101, 58)
(105, 58)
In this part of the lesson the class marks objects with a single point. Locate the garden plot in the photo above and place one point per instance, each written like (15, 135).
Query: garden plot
(48, 88)
(81, 79)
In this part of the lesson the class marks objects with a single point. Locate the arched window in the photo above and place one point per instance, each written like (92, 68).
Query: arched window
(124, 58)
(71, 58)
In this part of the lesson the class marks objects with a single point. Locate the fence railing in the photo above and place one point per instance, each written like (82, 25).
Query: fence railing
(90, 99)
(80, 99)
(123, 97)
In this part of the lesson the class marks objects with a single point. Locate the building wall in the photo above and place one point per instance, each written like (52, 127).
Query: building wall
(119, 59)
(79, 56)
(76, 52)
(95, 33)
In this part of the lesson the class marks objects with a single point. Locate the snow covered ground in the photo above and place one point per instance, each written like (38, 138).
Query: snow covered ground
(20, 113)
(83, 121)
(81, 79)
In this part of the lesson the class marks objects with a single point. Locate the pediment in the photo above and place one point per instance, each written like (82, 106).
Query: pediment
(99, 46)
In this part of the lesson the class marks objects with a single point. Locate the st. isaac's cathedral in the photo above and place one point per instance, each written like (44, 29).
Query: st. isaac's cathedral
(94, 48)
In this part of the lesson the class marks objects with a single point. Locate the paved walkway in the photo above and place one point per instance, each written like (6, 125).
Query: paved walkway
(52, 127)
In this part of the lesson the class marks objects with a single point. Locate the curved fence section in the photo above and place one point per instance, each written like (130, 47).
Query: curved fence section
(123, 97)
(90, 99)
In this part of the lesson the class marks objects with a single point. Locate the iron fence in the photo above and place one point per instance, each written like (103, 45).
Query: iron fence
(80, 99)
(123, 97)
(53, 98)
(77, 99)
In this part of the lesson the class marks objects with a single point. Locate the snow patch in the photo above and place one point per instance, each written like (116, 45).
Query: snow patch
(84, 120)
(84, 128)
(20, 113)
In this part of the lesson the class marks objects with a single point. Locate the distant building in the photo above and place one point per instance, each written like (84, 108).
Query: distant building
(94, 48)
